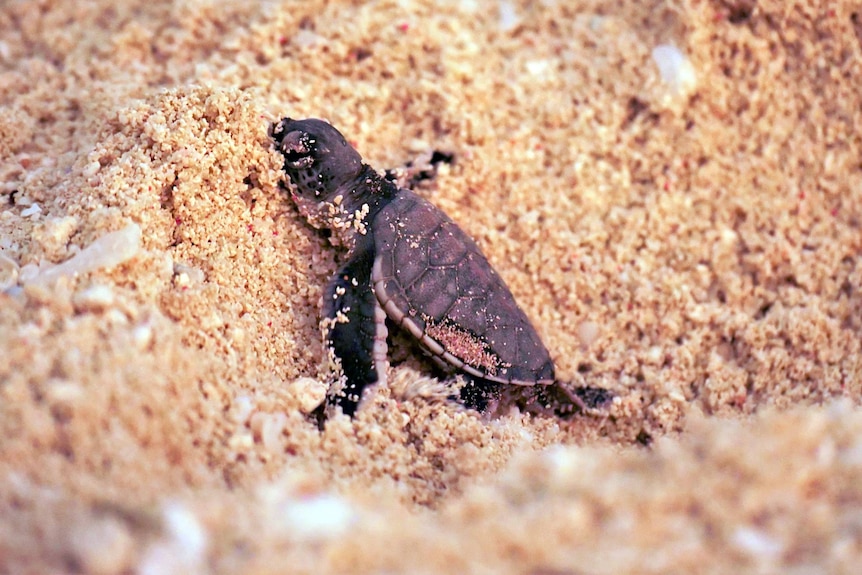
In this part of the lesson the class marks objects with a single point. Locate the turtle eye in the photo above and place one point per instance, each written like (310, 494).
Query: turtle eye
(298, 149)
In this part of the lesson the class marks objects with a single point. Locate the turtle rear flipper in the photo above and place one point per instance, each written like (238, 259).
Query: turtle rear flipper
(354, 330)
(558, 399)
(562, 400)
(593, 398)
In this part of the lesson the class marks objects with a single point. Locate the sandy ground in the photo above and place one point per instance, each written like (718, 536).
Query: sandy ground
(689, 242)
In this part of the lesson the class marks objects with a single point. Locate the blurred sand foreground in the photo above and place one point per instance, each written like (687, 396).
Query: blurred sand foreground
(687, 237)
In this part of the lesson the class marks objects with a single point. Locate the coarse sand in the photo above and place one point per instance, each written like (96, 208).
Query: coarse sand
(672, 190)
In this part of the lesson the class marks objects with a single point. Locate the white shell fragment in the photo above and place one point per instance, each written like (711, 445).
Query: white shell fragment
(588, 332)
(509, 19)
(677, 71)
(103, 546)
(180, 549)
(33, 210)
(108, 251)
(94, 299)
(757, 543)
(321, 517)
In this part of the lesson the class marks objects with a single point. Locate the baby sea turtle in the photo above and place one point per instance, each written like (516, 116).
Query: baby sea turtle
(408, 262)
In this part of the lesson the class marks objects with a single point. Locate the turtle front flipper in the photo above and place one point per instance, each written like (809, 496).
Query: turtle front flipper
(354, 330)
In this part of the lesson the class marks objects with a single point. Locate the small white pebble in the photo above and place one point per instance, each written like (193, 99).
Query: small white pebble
(508, 16)
(33, 210)
(23, 200)
(320, 517)
(187, 275)
(561, 460)
(142, 335)
(241, 441)
(103, 547)
(114, 317)
(91, 169)
(655, 355)
(757, 543)
(729, 236)
(63, 391)
(676, 70)
(181, 550)
(237, 335)
(698, 314)
(588, 332)
(186, 530)
(416, 145)
(537, 67)
(241, 409)
(309, 392)
(306, 38)
(94, 299)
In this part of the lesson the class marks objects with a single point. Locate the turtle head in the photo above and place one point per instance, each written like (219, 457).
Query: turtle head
(317, 158)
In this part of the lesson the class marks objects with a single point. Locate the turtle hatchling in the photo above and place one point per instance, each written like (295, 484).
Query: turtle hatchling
(408, 262)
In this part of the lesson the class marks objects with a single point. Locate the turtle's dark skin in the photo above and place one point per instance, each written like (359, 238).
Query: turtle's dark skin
(408, 262)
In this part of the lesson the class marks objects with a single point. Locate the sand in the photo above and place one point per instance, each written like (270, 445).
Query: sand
(690, 242)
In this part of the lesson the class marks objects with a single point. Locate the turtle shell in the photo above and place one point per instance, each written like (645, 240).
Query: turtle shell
(433, 281)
